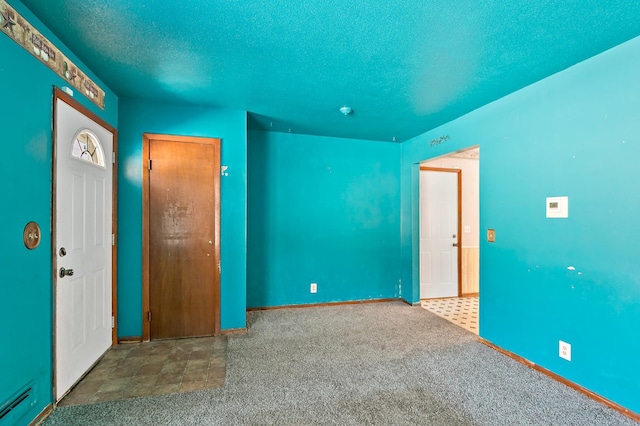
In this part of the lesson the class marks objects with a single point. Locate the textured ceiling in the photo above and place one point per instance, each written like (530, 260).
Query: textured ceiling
(404, 67)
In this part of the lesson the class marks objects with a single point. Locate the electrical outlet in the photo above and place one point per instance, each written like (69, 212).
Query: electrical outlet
(313, 288)
(565, 350)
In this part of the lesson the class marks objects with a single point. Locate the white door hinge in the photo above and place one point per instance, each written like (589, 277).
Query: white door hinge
(113, 321)
(113, 158)
(113, 239)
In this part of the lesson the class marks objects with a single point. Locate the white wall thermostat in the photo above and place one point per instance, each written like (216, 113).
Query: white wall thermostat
(557, 207)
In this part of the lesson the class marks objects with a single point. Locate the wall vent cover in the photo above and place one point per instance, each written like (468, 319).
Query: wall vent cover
(16, 406)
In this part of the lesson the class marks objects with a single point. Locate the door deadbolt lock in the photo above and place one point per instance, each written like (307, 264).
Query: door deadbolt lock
(63, 252)
(65, 272)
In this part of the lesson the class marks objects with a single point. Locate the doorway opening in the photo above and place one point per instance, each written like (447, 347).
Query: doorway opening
(181, 237)
(455, 298)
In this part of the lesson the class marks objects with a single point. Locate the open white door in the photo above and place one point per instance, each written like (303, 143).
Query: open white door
(83, 224)
(438, 233)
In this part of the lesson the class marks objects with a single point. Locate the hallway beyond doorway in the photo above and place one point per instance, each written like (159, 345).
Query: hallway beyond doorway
(462, 311)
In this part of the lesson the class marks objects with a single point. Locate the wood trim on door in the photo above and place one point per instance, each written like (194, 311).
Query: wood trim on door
(459, 225)
(59, 94)
(146, 141)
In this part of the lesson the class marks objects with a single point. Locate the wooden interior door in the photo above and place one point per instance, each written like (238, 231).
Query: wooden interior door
(183, 236)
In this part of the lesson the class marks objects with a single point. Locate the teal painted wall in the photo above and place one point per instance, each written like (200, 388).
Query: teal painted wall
(326, 210)
(321, 210)
(138, 117)
(26, 305)
(576, 133)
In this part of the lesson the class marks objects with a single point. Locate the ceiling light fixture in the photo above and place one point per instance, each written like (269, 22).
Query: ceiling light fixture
(346, 110)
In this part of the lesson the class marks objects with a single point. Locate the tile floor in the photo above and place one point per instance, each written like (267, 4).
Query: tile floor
(153, 368)
(462, 311)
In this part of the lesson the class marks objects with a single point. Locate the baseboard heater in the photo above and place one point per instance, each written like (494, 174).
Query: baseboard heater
(17, 405)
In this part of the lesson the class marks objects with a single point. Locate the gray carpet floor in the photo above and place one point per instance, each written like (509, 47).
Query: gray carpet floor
(381, 363)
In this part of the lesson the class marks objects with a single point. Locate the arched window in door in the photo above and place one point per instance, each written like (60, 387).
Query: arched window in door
(87, 147)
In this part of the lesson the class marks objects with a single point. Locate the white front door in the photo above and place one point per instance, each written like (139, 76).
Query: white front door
(83, 244)
(438, 234)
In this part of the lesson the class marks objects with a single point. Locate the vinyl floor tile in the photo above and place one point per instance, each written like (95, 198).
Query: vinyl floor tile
(153, 368)
(462, 311)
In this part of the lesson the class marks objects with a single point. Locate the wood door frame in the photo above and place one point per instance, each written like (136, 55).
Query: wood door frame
(146, 142)
(459, 225)
(64, 97)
